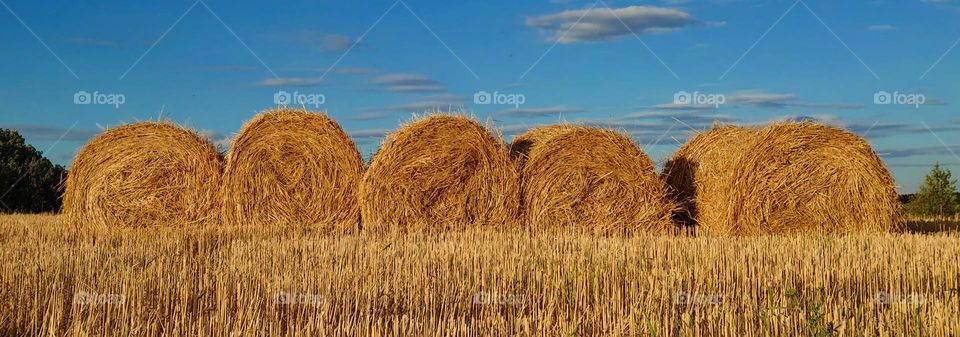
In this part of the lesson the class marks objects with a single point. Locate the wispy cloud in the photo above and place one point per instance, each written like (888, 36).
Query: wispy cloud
(219, 139)
(538, 112)
(429, 103)
(317, 40)
(337, 70)
(289, 82)
(41, 132)
(599, 24)
(919, 151)
(370, 133)
(759, 99)
(408, 83)
(876, 128)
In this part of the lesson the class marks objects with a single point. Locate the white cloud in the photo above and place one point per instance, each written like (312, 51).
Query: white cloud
(759, 99)
(289, 82)
(538, 112)
(317, 40)
(34, 132)
(441, 102)
(599, 24)
(408, 83)
(415, 88)
(369, 133)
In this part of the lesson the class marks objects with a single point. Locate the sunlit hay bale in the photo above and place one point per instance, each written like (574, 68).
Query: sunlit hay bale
(520, 146)
(292, 168)
(799, 177)
(695, 170)
(440, 172)
(591, 180)
(143, 174)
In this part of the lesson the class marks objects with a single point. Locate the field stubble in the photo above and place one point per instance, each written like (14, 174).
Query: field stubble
(275, 281)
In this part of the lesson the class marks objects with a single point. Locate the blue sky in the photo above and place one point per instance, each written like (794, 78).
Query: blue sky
(657, 69)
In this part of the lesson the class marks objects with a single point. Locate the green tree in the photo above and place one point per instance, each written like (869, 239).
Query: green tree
(29, 183)
(937, 196)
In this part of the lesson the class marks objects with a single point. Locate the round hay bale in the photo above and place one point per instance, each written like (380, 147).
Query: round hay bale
(292, 167)
(440, 172)
(795, 177)
(592, 180)
(520, 147)
(143, 174)
(695, 168)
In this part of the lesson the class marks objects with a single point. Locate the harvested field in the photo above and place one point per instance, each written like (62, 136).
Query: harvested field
(269, 281)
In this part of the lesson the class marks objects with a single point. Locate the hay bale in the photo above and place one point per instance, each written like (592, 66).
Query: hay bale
(440, 172)
(592, 180)
(521, 144)
(789, 178)
(292, 167)
(143, 174)
(695, 168)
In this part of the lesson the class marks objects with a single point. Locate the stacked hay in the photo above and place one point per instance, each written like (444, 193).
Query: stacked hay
(292, 167)
(143, 174)
(786, 178)
(589, 179)
(440, 172)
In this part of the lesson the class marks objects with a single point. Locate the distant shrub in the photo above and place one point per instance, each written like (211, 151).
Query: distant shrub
(937, 196)
(29, 183)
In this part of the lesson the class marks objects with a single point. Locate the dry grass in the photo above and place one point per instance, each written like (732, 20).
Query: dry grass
(225, 282)
(292, 167)
(784, 178)
(590, 179)
(144, 174)
(440, 172)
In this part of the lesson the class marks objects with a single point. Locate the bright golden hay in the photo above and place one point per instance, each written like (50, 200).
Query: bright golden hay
(440, 172)
(592, 180)
(521, 144)
(143, 174)
(693, 171)
(787, 178)
(291, 167)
